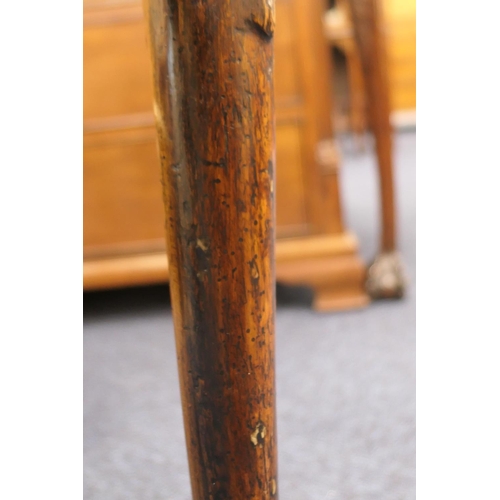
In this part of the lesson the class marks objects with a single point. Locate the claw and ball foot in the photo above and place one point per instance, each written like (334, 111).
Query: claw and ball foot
(386, 277)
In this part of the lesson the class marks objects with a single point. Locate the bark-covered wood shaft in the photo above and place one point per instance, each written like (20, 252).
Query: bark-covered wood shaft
(368, 28)
(212, 63)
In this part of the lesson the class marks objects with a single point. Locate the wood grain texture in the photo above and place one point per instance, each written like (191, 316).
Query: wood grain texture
(212, 65)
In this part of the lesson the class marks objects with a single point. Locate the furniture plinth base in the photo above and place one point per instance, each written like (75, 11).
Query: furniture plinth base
(337, 280)
(329, 264)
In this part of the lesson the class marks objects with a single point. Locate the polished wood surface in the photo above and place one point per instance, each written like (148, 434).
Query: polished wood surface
(212, 65)
(123, 221)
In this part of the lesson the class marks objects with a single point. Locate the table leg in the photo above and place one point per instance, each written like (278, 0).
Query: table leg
(385, 275)
(212, 66)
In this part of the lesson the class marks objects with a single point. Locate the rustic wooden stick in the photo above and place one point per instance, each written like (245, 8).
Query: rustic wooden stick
(385, 275)
(212, 65)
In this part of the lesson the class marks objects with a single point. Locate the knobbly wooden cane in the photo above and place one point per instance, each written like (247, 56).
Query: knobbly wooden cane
(212, 66)
(386, 275)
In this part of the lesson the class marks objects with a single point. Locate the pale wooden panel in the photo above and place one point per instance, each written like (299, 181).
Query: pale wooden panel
(122, 189)
(400, 26)
(404, 75)
(290, 196)
(402, 49)
(117, 71)
(400, 9)
(286, 77)
(404, 98)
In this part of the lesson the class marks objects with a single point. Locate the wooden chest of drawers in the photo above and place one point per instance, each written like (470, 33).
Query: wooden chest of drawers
(123, 215)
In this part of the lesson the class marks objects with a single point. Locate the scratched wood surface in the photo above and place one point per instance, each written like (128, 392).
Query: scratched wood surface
(212, 63)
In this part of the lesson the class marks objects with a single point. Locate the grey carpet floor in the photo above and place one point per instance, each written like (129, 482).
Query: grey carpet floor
(345, 381)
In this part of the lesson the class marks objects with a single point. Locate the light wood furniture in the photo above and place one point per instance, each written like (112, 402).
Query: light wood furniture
(213, 74)
(123, 216)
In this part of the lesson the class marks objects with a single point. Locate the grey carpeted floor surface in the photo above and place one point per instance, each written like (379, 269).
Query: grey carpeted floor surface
(345, 381)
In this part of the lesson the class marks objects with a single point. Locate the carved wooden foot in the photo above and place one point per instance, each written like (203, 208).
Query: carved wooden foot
(386, 277)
